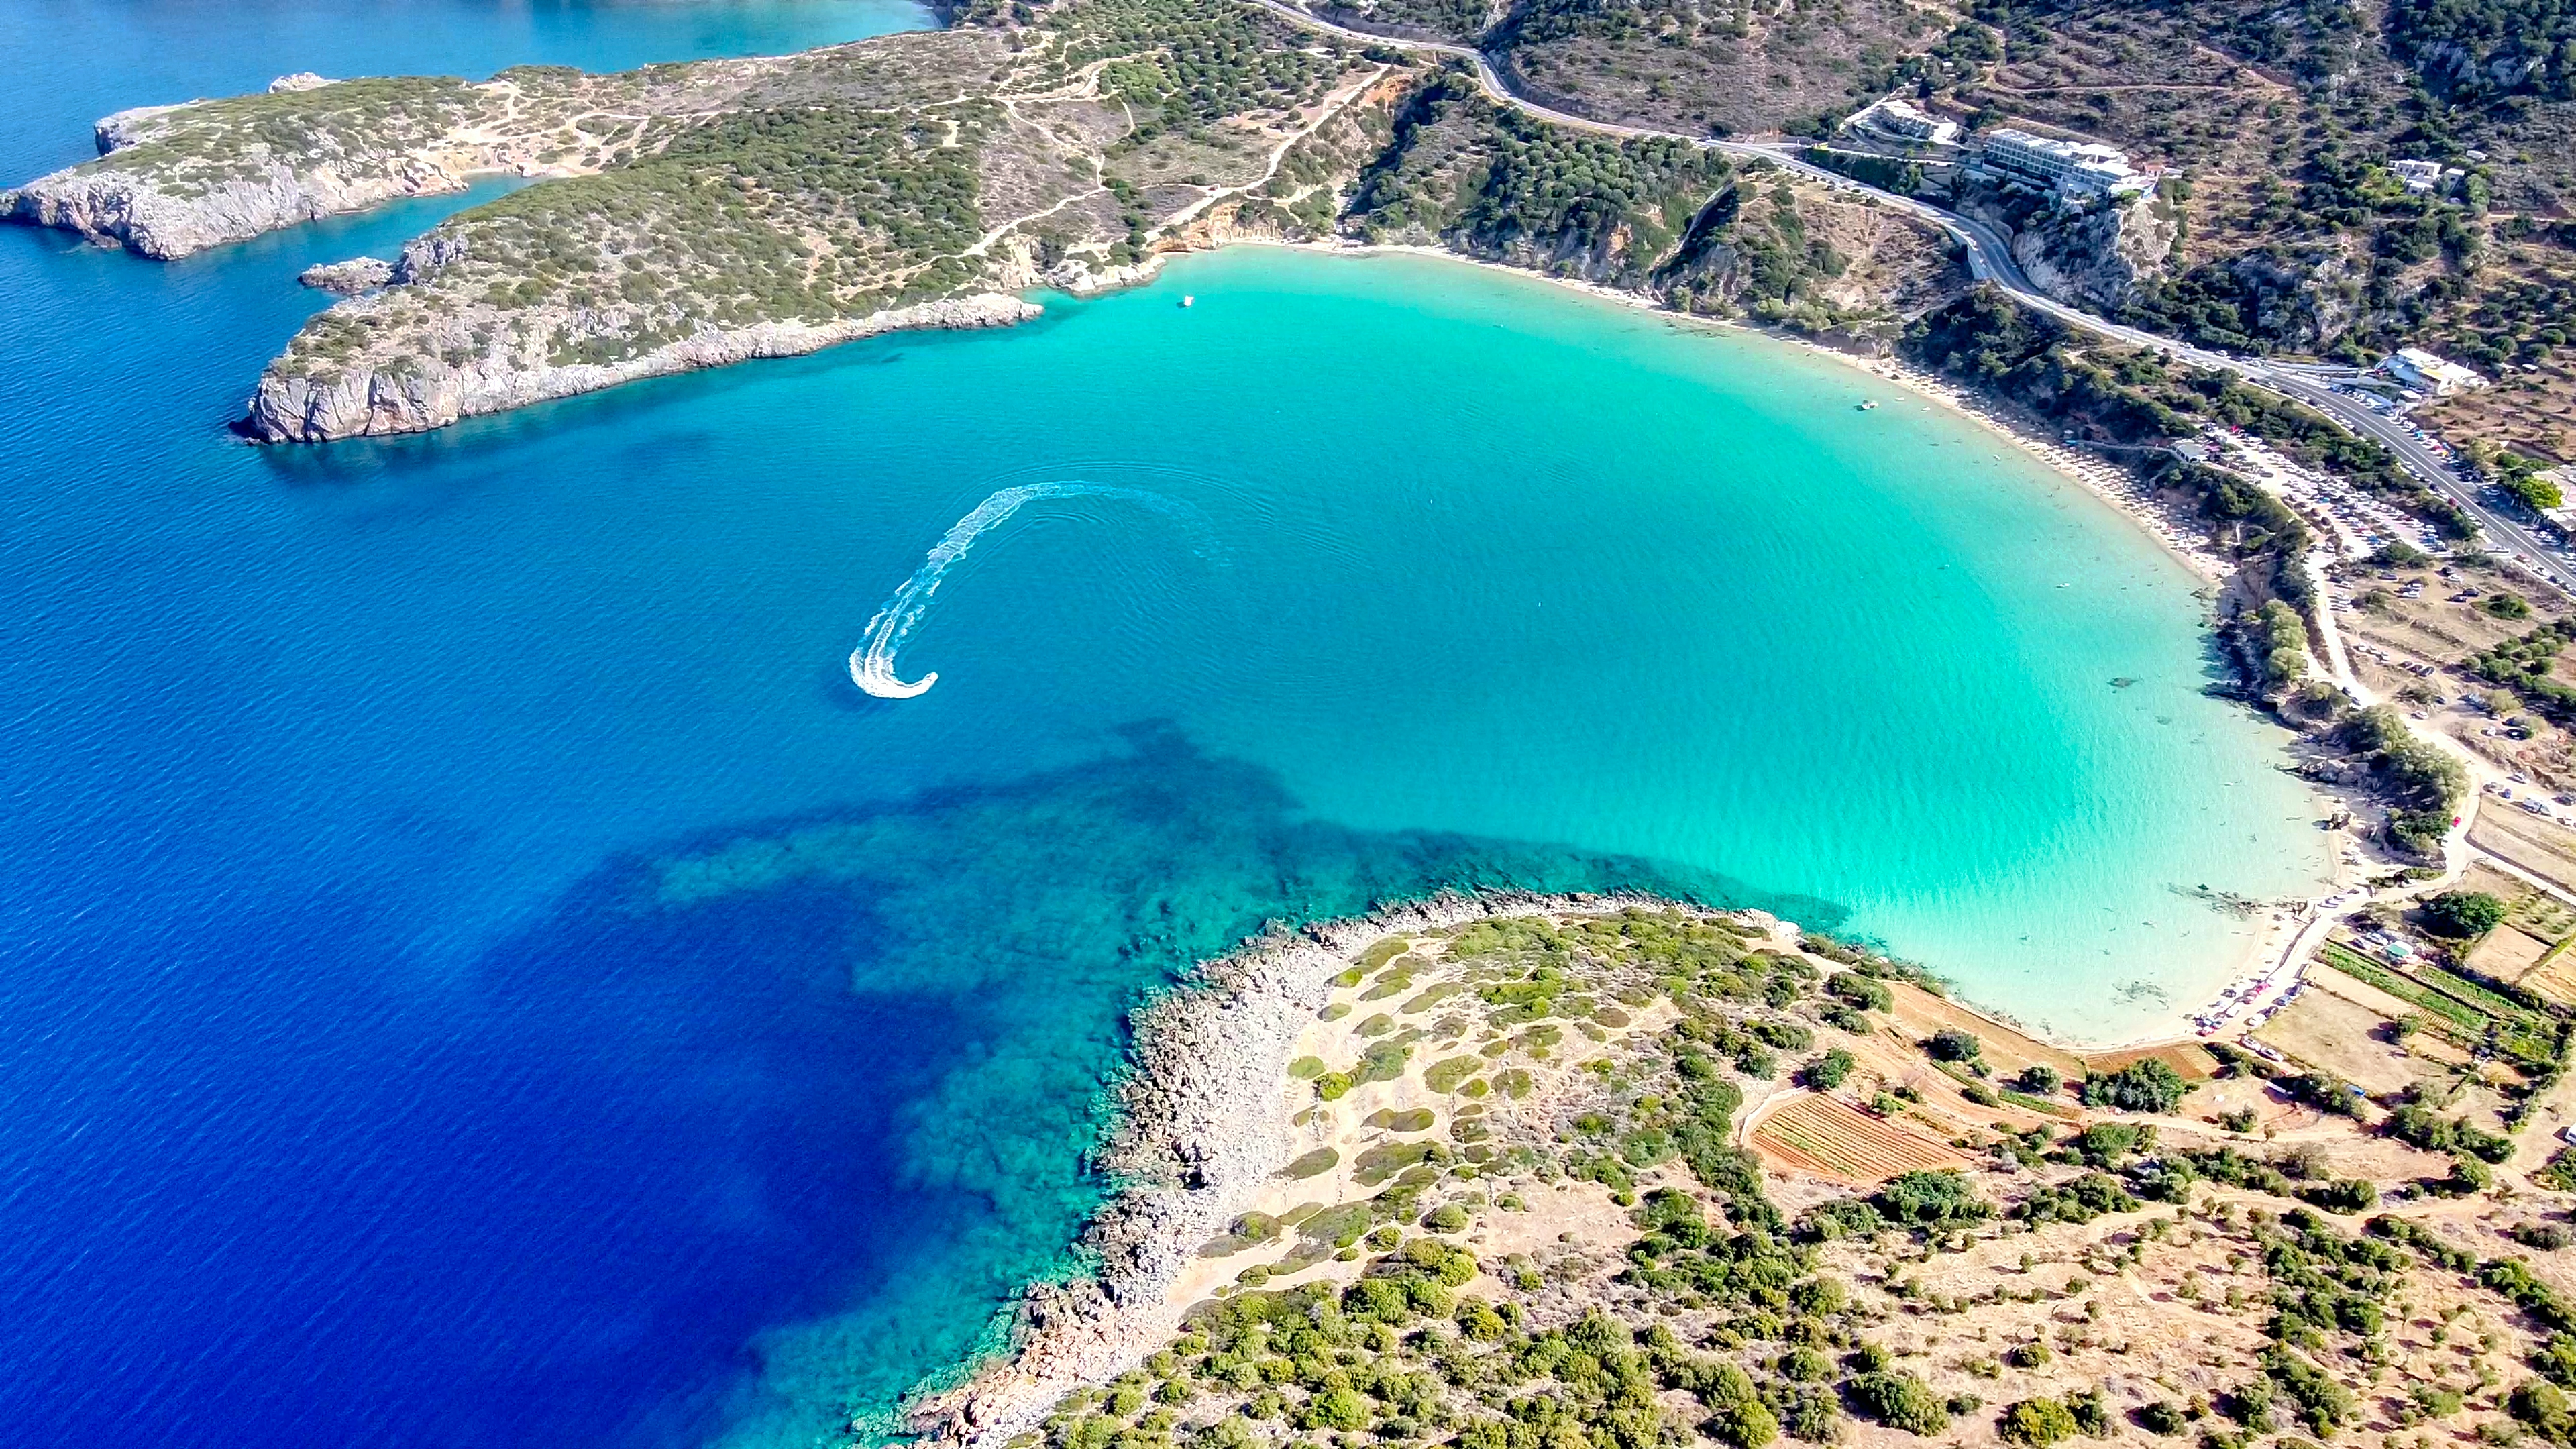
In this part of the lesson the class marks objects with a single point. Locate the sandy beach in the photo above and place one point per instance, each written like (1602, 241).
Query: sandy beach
(2169, 524)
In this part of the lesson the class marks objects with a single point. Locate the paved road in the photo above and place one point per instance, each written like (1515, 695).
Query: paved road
(2505, 529)
(1990, 258)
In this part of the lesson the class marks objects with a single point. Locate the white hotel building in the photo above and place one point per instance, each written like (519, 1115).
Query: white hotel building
(2070, 168)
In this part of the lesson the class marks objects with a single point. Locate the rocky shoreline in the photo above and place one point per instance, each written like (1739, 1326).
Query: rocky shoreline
(361, 403)
(1202, 1121)
(126, 208)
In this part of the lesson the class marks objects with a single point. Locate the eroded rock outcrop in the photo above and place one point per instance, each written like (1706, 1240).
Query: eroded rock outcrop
(2097, 255)
(313, 407)
(127, 209)
(349, 278)
(172, 180)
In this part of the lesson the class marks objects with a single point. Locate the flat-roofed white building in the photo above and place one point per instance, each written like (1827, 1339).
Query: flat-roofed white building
(2418, 175)
(1901, 119)
(2072, 168)
(2425, 372)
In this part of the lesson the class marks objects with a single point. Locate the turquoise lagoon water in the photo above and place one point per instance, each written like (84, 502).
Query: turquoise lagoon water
(381, 1063)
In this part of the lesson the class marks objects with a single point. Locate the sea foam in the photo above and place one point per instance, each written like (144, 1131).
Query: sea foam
(872, 663)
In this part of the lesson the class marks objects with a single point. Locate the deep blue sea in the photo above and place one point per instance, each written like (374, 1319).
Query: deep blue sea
(473, 970)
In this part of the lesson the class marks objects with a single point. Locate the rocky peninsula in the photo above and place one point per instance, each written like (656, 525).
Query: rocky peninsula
(1203, 1124)
(1587, 1172)
(692, 215)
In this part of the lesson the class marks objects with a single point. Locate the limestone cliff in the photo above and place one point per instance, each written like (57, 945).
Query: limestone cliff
(367, 402)
(2099, 254)
(172, 180)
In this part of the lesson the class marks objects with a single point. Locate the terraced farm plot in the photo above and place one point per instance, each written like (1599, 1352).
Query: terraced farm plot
(1828, 1136)
(2458, 1014)
(2554, 977)
(2507, 954)
(2542, 917)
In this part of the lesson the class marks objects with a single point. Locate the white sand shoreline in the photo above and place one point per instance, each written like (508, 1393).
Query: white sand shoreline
(2108, 482)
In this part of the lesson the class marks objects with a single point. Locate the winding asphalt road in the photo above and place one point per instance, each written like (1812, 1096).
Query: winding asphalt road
(1990, 259)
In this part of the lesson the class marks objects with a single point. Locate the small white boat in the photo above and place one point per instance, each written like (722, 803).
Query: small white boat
(1189, 301)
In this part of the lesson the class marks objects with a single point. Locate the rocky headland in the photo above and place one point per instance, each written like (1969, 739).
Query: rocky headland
(1588, 1173)
(698, 214)
(1206, 1116)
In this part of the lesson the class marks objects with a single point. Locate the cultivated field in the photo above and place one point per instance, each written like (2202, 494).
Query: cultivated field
(1820, 1134)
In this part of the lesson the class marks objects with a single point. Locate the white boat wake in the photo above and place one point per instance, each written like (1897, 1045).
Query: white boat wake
(872, 663)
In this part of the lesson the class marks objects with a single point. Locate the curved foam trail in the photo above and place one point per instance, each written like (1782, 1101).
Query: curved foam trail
(872, 663)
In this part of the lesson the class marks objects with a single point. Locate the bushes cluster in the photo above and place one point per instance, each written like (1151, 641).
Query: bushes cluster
(2462, 914)
(1496, 181)
(2424, 782)
(1930, 1202)
(2420, 1126)
(1866, 992)
(2142, 1086)
(2080, 1201)
(2324, 1283)
(1898, 1400)
(1828, 1071)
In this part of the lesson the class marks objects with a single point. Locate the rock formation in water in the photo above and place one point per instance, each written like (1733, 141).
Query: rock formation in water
(349, 278)
(313, 407)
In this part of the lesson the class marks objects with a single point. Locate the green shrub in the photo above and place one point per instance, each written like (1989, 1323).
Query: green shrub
(1818, 1296)
(2141, 1086)
(2344, 1195)
(1339, 1407)
(1744, 1425)
(1930, 1200)
(1900, 1401)
(2037, 1423)
(2092, 1412)
(2462, 914)
(1805, 1365)
(1864, 992)
(2540, 1405)
(1313, 1164)
(1826, 1072)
